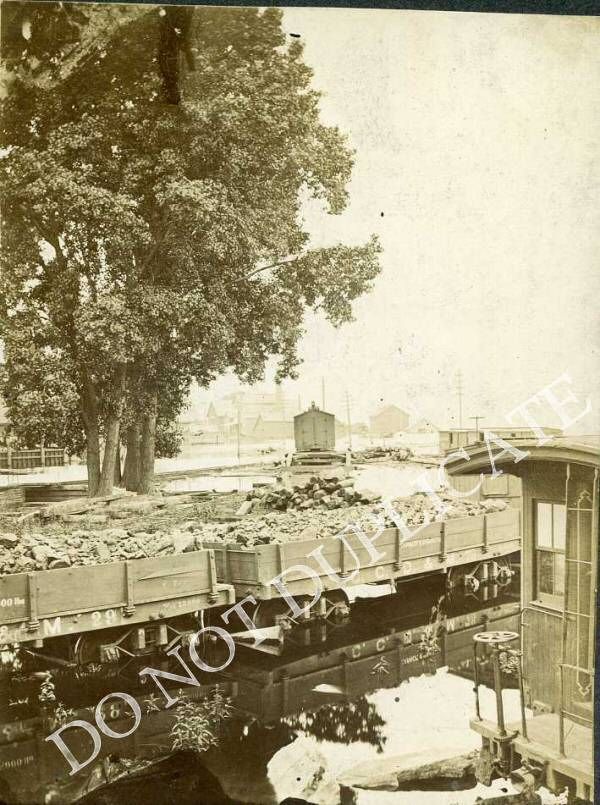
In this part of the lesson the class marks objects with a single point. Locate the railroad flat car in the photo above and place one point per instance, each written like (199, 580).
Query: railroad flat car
(115, 601)
(437, 547)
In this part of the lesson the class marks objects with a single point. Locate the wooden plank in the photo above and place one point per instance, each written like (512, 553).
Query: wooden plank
(168, 577)
(503, 526)
(467, 532)
(13, 598)
(98, 587)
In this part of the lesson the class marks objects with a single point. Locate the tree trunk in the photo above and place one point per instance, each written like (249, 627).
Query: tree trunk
(131, 471)
(117, 470)
(111, 444)
(147, 449)
(93, 457)
(112, 433)
(89, 411)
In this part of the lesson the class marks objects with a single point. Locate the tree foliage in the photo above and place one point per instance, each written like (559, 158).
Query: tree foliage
(157, 242)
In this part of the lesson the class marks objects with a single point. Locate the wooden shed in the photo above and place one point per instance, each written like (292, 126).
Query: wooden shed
(314, 430)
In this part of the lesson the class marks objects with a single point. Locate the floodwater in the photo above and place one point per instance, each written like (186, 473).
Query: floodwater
(306, 720)
(217, 483)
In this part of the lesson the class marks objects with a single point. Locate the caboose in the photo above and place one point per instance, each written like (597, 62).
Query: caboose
(559, 572)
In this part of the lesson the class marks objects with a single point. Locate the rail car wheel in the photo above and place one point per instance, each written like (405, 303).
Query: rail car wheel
(277, 611)
(95, 647)
(114, 645)
(337, 607)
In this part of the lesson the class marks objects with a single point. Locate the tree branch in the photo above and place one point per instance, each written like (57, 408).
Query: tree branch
(273, 265)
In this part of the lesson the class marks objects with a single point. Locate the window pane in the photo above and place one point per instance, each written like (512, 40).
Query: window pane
(585, 591)
(585, 535)
(572, 568)
(545, 566)
(559, 529)
(583, 642)
(571, 547)
(544, 525)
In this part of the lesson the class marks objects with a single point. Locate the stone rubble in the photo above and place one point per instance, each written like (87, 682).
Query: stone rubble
(329, 492)
(138, 532)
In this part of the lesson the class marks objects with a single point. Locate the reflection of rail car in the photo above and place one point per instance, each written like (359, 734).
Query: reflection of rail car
(265, 688)
(121, 596)
(99, 611)
(280, 689)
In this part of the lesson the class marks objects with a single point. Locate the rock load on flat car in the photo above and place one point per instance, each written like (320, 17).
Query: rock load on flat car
(329, 492)
(63, 543)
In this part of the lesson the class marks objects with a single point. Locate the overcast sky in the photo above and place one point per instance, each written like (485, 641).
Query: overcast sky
(478, 166)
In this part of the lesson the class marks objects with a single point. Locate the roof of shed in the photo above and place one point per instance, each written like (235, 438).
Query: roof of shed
(576, 449)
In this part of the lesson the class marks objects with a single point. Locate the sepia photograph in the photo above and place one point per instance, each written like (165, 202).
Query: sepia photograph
(299, 403)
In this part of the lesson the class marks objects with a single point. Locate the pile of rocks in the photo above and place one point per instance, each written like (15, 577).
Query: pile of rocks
(308, 515)
(318, 522)
(281, 527)
(326, 493)
(387, 453)
(420, 509)
(51, 549)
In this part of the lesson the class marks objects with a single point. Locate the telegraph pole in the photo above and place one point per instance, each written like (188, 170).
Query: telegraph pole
(348, 420)
(459, 391)
(322, 394)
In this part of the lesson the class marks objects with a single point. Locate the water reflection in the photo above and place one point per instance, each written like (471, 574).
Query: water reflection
(338, 695)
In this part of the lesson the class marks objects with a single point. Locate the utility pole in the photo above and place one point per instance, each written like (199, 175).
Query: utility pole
(459, 391)
(322, 394)
(348, 420)
(476, 418)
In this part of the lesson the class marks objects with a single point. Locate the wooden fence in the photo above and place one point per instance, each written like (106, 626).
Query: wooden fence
(11, 459)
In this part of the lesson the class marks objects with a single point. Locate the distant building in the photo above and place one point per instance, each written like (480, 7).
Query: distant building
(266, 429)
(461, 437)
(388, 421)
(249, 415)
(422, 438)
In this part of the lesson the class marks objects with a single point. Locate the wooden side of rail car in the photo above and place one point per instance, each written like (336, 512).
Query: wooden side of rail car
(435, 547)
(52, 603)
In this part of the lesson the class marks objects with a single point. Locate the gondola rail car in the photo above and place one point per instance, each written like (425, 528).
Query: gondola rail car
(122, 596)
(436, 547)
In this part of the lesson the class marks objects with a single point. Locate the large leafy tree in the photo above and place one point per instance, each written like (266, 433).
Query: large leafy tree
(153, 214)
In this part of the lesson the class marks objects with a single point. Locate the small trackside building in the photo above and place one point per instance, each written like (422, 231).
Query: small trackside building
(559, 573)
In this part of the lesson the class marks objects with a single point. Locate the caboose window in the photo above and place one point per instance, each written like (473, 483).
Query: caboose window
(550, 529)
